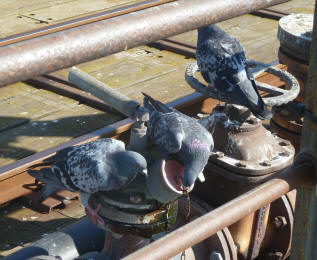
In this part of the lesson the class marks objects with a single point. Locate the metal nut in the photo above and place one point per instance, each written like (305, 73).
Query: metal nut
(280, 221)
(284, 143)
(284, 154)
(265, 163)
(241, 165)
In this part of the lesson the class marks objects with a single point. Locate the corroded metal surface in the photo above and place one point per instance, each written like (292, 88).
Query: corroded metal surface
(295, 34)
(119, 246)
(59, 50)
(297, 68)
(246, 149)
(207, 225)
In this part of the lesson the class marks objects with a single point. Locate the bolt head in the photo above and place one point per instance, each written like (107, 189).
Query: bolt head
(240, 165)
(265, 163)
(280, 221)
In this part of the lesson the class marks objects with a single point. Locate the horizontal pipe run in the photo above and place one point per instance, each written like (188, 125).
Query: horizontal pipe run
(224, 216)
(24, 60)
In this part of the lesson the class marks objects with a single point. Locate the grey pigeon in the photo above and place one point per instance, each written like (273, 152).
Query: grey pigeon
(177, 134)
(222, 63)
(101, 165)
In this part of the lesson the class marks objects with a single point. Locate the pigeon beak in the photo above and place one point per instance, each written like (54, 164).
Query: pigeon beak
(144, 172)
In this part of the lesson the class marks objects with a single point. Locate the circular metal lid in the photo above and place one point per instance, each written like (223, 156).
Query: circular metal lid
(295, 34)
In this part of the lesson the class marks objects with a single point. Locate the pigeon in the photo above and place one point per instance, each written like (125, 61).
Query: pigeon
(222, 63)
(181, 136)
(101, 165)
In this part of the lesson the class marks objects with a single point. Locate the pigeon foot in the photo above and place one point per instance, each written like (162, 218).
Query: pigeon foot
(94, 214)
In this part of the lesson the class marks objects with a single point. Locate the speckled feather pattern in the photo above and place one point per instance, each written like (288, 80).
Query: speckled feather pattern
(94, 166)
(222, 63)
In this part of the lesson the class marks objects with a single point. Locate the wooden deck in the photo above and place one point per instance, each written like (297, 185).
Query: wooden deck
(32, 119)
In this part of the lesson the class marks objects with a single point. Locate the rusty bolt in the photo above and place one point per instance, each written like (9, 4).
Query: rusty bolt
(241, 165)
(284, 143)
(274, 256)
(265, 163)
(280, 221)
(284, 154)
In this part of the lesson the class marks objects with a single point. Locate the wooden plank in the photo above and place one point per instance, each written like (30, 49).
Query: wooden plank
(296, 6)
(20, 16)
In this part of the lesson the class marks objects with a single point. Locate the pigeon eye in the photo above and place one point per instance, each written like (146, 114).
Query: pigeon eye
(138, 166)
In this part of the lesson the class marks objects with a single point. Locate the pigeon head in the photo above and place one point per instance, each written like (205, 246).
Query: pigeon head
(191, 173)
(195, 163)
(210, 31)
(129, 163)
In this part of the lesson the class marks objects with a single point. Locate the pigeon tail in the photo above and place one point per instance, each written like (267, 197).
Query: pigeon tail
(159, 106)
(45, 175)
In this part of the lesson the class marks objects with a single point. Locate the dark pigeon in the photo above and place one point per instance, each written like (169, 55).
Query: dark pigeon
(222, 63)
(177, 134)
(100, 165)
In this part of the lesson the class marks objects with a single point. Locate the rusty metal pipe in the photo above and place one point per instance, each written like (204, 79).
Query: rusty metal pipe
(207, 225)
(23, 60)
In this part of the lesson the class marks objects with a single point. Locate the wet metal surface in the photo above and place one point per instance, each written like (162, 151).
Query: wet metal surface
(49, 53)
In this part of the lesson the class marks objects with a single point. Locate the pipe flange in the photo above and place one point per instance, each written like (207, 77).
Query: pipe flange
(281, 96)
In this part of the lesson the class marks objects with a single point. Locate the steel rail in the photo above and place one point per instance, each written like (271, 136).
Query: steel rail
(270, 13)
(301, 172)
(38, 56)
(81, 21)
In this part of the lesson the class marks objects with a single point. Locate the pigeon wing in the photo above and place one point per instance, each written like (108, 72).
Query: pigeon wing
(167, 133)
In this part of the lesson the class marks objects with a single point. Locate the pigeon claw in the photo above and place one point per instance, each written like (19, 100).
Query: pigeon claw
(94, 215)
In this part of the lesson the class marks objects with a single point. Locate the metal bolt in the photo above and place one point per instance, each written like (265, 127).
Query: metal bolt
(274, 256)
(265, 163)
(215, 255)
(241, 165)
(284, 143)
(280, 221)
(284, 154)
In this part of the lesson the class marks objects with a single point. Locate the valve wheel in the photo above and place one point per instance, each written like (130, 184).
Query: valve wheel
(280, 96)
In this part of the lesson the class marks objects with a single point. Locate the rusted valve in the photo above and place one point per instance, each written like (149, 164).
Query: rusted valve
(247, 154)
